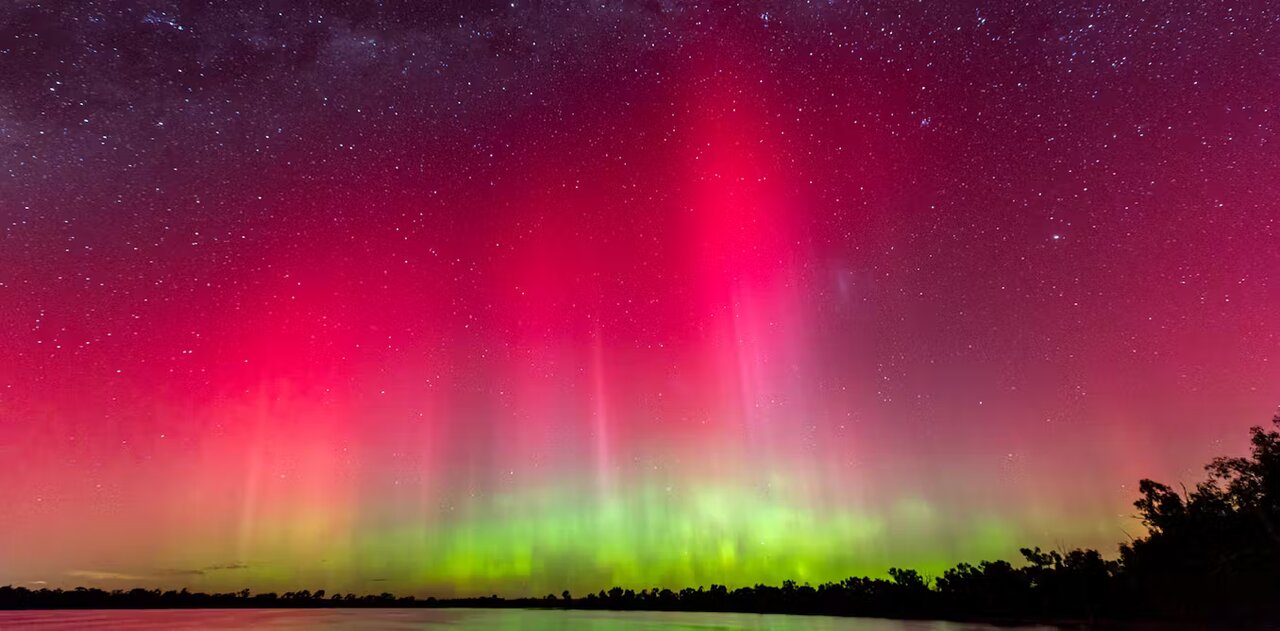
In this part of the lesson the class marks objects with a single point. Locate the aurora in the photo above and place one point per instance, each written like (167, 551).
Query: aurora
(510, 299)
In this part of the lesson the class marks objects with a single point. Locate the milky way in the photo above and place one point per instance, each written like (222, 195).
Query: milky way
(472, 297)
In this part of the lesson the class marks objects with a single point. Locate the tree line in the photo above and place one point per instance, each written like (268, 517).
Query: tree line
(1211, 552)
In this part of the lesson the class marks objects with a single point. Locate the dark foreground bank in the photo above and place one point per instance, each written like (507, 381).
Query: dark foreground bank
(440, 619)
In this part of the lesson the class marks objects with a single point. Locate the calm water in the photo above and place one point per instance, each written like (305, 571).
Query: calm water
(458, 620)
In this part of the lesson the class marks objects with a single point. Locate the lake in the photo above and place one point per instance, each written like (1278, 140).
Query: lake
(460, 620)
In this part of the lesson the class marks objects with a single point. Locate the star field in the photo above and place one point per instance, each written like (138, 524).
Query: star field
(513, 297)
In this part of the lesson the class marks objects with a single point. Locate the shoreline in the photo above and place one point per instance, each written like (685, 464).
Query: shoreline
(1101, 624)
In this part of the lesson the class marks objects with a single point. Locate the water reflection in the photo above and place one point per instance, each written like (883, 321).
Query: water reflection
(461, 620)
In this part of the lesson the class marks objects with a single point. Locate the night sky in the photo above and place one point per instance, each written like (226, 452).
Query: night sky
(467, 297)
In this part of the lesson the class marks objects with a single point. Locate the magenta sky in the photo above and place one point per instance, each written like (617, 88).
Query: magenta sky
(517, 297)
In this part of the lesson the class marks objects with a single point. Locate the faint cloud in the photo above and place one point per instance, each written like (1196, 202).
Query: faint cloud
(173, 572)
(99, 575)
(226, 566)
